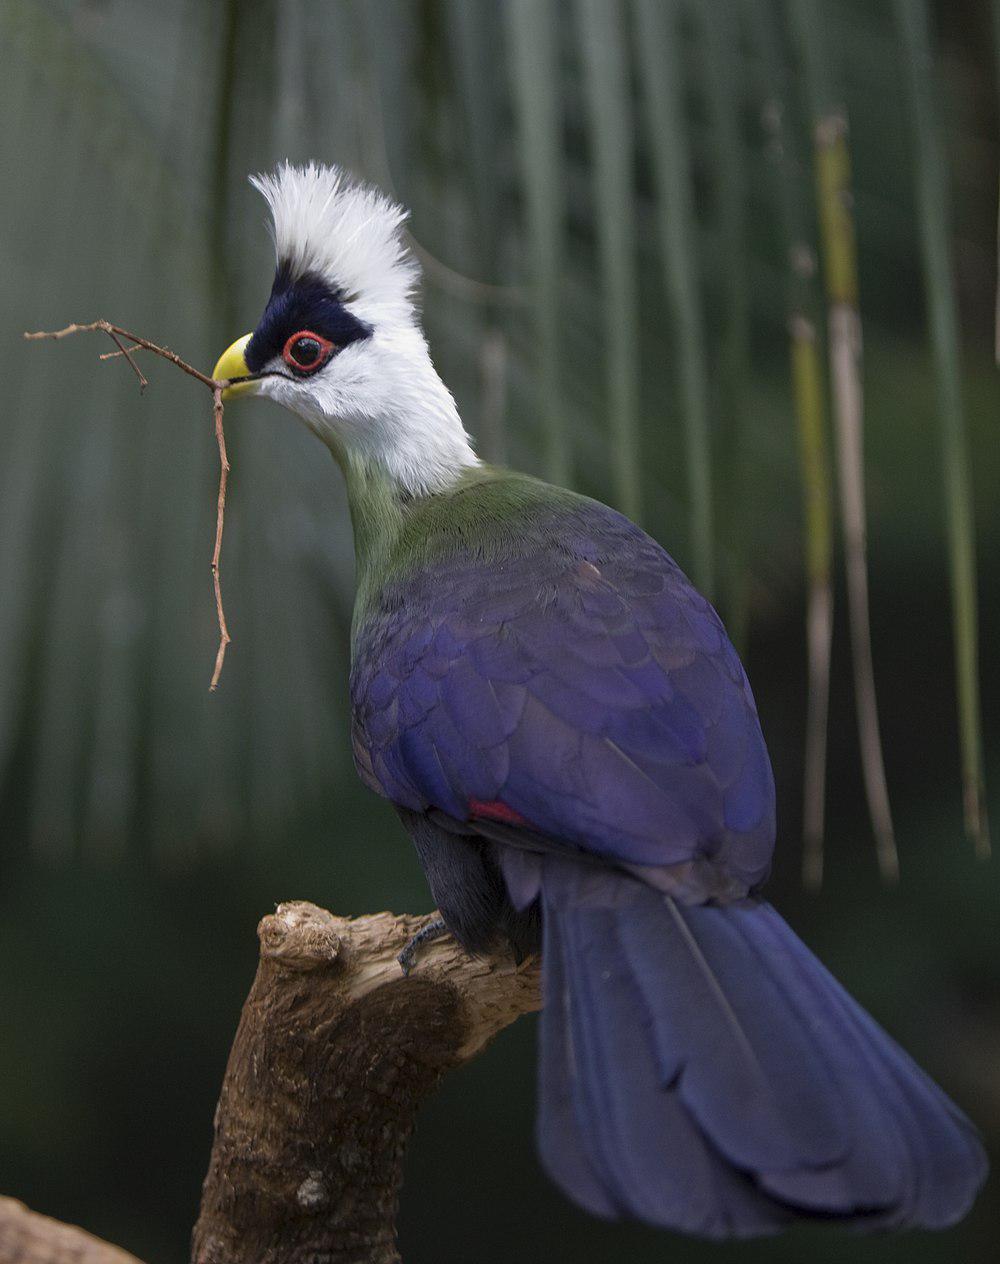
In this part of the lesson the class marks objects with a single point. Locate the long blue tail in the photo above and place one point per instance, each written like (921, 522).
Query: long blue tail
(700, 1070)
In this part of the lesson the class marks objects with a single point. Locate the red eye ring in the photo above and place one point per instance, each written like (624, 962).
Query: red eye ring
(305, 351)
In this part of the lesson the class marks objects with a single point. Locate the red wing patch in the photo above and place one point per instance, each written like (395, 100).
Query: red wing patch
(496, 810)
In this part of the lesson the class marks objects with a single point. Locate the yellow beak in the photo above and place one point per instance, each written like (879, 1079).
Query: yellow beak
(233, 366)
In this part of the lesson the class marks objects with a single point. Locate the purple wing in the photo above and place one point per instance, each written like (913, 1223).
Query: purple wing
(577, 684)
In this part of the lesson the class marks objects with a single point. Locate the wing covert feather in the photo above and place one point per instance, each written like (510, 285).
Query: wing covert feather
(578, 678)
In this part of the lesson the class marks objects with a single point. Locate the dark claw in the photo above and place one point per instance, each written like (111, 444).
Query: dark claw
(434, 929)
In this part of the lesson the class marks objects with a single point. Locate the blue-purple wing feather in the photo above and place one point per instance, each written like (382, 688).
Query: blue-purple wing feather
(581, 681)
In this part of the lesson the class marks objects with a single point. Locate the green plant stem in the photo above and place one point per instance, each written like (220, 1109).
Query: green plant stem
(656, 31)
(809, 403)
(605, 65)
(534, 61)
(718, 29)
(930, 171)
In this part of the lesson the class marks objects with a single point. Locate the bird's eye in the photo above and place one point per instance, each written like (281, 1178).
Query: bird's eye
(305, 352)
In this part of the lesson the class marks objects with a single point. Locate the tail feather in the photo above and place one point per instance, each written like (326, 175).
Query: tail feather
(873, 1179)
(701, 1070)
(562, 1143)
(935, 1143)
(755, 1096)
(655, 1163)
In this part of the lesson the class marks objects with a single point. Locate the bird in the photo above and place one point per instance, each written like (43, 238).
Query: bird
(569, 738)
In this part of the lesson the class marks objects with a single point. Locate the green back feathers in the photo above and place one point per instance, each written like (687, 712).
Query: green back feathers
(487, 509)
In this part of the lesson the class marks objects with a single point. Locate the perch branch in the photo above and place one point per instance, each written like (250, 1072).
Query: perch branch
(334, 1053)
(116, 334)
(28, 1238)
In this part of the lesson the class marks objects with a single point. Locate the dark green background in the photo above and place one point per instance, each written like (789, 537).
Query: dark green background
(146, 826)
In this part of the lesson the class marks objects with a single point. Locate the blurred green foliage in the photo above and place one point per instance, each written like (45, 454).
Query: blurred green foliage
(594, 279)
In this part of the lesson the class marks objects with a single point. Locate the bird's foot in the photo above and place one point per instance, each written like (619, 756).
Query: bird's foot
(434, 929)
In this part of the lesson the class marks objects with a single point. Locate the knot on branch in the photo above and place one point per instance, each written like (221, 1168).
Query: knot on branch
(300, 936)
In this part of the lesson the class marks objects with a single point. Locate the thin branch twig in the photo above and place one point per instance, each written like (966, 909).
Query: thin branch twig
(105, 326)
(143, 381)
(113, 355)
(220, 519)
(216, 386)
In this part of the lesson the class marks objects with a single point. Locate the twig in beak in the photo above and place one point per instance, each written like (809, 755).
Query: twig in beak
(116, 334)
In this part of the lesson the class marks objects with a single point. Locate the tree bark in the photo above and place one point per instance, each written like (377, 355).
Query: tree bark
(28, 1238)
(334, 1053)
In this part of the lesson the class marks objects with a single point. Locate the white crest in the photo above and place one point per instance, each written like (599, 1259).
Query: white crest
(379, 400)
(348, 233)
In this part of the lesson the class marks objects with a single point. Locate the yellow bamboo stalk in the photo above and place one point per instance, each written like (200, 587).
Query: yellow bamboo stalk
(809, 403)
(807, 387)
(833, 187)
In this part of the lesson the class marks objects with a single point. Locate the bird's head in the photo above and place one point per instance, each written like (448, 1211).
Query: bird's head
(339, 342)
